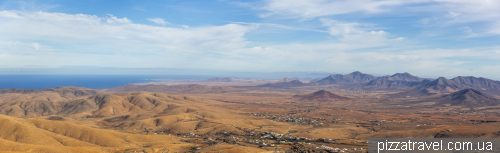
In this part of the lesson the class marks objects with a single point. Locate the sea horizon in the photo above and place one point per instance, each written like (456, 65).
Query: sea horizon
(91, 81)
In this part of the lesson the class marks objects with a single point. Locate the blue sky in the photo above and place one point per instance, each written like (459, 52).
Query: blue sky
(423, 37)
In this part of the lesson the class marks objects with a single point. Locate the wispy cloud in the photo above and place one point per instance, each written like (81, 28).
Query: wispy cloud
(319, 8)
(159, 21)
(36, 46)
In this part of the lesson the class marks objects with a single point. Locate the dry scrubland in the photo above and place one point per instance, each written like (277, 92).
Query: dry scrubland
(242, 118)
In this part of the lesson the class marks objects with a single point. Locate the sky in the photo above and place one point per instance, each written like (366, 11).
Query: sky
(423, 37)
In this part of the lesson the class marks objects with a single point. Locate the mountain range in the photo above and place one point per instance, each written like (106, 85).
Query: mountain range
(468, 97)
(396, 81)
(443, 85)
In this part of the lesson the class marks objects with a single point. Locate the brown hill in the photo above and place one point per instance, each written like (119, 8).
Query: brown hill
(39, 135)
(175, 89)
(20, 103)
(469, 98)
(352, 78)
(15, 90)
(322, 95)
(139, 110)
(64, 91)
(74, 91)
(177, 114)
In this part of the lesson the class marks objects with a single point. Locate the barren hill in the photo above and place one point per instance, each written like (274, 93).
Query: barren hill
(322, 95)
(175, 89)
(68, 90)
(19, 103)
(138, 110)
(469, 98)
(352, 78)
(39, 135)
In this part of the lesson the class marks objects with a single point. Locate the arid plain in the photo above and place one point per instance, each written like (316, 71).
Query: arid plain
(337, 113)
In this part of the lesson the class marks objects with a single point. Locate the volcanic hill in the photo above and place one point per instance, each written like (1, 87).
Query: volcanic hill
(322, 95)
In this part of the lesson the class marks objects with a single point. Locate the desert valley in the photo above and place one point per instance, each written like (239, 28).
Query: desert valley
(337, 113)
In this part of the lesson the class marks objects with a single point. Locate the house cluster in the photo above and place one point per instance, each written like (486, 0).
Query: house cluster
(296, 119)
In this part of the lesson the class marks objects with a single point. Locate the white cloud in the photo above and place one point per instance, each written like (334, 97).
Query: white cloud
(88, 40)
(80, 39)
(462, 11)
(115, 20)
(400, 39)
(36, 46)
(446, 11)
(159, 21)
(355, 32)
(8, 14)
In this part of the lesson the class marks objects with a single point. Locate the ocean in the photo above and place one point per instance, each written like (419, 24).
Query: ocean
(40, 81)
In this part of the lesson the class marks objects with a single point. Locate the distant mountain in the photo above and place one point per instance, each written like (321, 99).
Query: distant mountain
(322, 95)
(286, 79)
(478, 83)
(280, 84)
(352, 78)
(468, 97)
(443, 85)
(226, 79)
(396, 81)
(175, 89)
(450, 85)
(404, 77)
(428, 88)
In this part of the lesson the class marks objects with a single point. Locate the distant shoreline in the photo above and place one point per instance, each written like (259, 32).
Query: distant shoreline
(42, 81)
